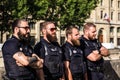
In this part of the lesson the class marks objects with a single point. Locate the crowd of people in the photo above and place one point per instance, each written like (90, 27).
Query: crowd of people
(79, 58)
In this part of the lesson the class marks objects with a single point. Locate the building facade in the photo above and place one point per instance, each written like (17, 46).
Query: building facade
(106, 16)
(107, 19)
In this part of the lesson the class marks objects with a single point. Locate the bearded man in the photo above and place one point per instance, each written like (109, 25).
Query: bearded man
(73, 55)
(93, 52)
(49, 50)
(20, 61)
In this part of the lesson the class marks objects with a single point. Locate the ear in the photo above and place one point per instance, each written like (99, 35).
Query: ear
(16, 29)
(69, 36)
(86, 31)
(44, 31)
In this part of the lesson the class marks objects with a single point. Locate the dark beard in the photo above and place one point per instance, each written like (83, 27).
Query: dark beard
(75, 42)
(51, 38)
(23, 38)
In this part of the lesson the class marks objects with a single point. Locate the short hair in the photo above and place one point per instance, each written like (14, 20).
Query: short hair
(17, 23)
(88, 25)
(69, 29)
(44, 24)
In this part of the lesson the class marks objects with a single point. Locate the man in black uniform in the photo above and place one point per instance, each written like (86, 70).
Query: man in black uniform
(20, 62)
(73, 55)
(94, 52)
(49, 50)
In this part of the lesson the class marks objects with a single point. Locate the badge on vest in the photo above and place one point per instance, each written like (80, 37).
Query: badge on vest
(54, 49)
(21, 49)
(74, 51)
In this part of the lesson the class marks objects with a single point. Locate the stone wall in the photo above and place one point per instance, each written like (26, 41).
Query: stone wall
(112, 69)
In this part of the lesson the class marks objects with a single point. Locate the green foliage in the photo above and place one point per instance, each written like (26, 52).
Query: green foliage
(67, 12)
(63, 12)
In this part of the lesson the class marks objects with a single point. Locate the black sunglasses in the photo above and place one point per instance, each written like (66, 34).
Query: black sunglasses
(53, 29)
(26, 27)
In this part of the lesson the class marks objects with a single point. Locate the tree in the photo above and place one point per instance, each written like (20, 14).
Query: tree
(68, 12)
(63, 12)
(13, 9)
(5, 17)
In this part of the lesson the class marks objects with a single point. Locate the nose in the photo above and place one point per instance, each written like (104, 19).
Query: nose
(28, 30)
(78, 35)
(95, 33)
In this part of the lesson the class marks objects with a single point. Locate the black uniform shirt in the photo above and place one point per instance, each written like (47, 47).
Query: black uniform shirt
(88, 46)
(68, 49)
(39, 48)
(10, 47)
(70, 53)
(52, 55)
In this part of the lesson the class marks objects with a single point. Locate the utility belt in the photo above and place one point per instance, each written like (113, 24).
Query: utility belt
(5, 77)
(96, 69)
(53, 76)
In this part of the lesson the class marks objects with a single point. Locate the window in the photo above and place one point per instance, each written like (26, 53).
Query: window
(32, 25)
(32, 40)
(111, 3)
(118, 16)
(111, 15)
(81, 28)
(111, 29)
(101, 2)
(118, 4)
(62, 40)
(101, 14)
(118, 29)
(118, 41)
(111, 40)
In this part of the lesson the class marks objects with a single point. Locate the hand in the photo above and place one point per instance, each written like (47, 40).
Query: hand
(19, 64)
(35, 56)
(96, 52)
(38, 64)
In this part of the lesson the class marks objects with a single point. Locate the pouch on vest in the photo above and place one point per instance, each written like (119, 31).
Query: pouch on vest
(76, 62)
(53, 60)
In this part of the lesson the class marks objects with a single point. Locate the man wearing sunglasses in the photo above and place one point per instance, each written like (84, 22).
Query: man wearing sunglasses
(49, 50)
(19, 59)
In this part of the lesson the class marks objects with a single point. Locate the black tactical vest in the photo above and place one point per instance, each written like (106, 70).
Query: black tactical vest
(92, 45)
(76, 60)
(53, 65)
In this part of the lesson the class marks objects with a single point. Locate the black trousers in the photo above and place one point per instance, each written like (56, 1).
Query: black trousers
(22, 78)
(78, 77)
(49, 78)
(95, 75)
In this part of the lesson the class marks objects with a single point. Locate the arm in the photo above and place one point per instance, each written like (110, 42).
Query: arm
(94, 56)
(34, 61)
(40, 73)
(38, 64)
(104, 51)
(21, 58)
(67, 70)
(85, 76)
